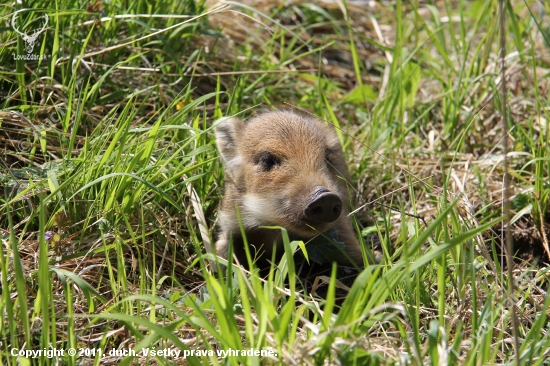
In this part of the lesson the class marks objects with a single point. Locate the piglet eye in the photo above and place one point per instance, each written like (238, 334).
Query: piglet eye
(329, 155)
(267, 160)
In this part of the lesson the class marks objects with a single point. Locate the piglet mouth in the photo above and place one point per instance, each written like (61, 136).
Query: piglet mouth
(323, 207)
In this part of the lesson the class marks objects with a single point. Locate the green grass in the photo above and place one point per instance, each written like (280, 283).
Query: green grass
(110, 182)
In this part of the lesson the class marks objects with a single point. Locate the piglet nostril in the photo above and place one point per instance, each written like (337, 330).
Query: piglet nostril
(317, 210)
(324, 207)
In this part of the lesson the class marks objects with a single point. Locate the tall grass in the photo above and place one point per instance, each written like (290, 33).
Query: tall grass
(110, 183)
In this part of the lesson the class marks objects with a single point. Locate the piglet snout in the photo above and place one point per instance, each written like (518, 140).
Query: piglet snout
(323, 206)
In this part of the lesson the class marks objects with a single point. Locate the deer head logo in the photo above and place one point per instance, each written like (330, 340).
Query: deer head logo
(30, 40)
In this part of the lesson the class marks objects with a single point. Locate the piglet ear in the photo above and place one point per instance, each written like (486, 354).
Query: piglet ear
(227, 131)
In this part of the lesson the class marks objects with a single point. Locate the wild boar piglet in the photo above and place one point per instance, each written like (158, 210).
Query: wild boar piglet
(285, 169)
